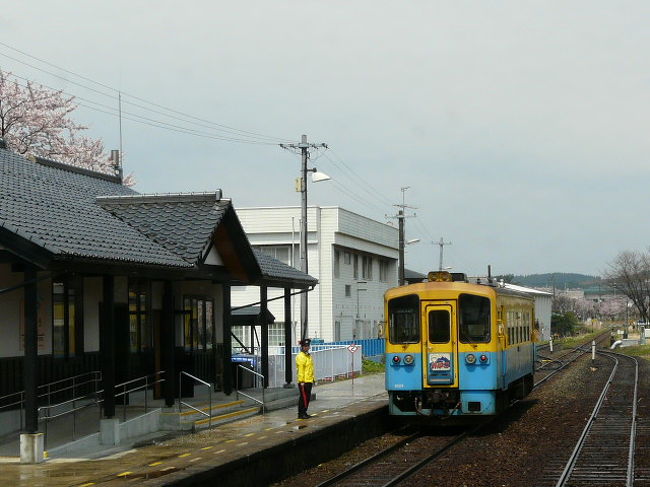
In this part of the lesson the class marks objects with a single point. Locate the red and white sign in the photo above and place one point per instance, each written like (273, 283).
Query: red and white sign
(353, 348)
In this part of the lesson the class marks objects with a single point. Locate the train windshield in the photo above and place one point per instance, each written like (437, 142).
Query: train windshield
(474, 319)
(404, 316)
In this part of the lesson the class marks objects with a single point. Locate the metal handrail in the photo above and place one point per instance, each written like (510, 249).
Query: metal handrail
(181, 403)
(96, 402)
(95, 375)
(145, 386)
(254, 399)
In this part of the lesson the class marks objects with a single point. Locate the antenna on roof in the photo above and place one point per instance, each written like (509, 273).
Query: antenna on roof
(116, 162)
(489, 274)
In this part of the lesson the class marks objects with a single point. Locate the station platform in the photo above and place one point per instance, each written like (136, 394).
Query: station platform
(250, 451)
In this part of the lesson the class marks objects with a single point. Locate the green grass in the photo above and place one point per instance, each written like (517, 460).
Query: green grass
(372, 367)
(571, 342)
(636, 351)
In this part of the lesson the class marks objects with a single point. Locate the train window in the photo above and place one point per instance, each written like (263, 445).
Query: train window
(404, 319)
(474, 319)
(439, 326)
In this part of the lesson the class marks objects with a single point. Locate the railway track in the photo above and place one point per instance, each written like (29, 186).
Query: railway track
(394, 464)
(552, 366)
(604, 454)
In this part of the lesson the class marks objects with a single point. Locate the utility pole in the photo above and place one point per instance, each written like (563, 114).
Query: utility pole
(304, 147)
(401, 215)
(442, 244)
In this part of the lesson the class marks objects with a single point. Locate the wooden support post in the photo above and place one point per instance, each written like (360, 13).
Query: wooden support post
(168, 345)
(288, 375)
(227, 341)
(107, 345)
(264, 313)
(30, 364)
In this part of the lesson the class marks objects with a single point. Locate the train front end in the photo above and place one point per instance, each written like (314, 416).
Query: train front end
(441, 353)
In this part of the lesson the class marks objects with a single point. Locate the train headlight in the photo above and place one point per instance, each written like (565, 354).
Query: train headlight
(396, 359)
(408, 359)
(470, 358)
(483, 358)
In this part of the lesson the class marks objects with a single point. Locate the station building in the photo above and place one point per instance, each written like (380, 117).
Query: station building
(353, 257)
(95, 277)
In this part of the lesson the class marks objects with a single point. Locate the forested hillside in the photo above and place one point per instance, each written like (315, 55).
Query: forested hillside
(559, 280)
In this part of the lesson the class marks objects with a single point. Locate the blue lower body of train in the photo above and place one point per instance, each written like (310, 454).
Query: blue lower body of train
(479, 388)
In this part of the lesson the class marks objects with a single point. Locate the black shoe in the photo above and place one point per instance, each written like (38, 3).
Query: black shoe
(304, 416)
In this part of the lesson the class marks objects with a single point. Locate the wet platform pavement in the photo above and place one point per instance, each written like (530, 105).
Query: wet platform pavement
(186, 459)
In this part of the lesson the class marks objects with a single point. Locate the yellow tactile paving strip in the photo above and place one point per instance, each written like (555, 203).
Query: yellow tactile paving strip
(155, 464)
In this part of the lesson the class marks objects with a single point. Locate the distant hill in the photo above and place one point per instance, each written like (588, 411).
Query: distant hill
(559, 280)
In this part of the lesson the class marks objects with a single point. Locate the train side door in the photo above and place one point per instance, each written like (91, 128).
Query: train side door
(441, 346)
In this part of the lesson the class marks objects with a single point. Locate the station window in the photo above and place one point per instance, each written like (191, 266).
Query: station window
(404, 319)
(66, 315)
(140, 329)
(348, 290)
(474, 319)
(198, 314)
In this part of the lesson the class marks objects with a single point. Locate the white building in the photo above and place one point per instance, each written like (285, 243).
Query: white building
(353, 257)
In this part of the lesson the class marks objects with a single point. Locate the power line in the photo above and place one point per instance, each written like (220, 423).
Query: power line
(223, 127)
(360, 183)
(375, 192)
(115, 112)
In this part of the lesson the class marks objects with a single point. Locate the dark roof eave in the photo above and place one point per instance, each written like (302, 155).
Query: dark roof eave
(284, 283)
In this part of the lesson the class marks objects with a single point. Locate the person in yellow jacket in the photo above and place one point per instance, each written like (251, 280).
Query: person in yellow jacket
(306, 379)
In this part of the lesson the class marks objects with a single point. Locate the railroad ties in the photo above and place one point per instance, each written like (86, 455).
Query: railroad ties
(604, 453)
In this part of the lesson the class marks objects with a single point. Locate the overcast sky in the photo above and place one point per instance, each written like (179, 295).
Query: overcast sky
(520, 127)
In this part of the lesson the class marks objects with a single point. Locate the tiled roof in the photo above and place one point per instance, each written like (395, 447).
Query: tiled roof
(53, 205)
(182, 223)
(71, 212)
(275, 269)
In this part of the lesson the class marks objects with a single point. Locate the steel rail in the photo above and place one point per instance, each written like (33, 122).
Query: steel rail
(417, 466)
(564, 364)
(407, 472)
(369, 460)
(580, 444)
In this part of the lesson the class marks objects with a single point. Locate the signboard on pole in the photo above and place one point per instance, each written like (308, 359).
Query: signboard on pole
(352, 348)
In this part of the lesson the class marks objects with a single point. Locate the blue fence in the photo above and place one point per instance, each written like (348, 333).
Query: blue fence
(371, 347)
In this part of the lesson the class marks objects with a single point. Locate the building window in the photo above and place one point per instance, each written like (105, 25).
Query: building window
(140, 335)
(198, 312)
(337, 263)
(337, 331)
(366, 267)
(355, 271)
(348, 291)
(347, 258)
(383, 270)
(65, 299)
(276, 334)
(279, 252)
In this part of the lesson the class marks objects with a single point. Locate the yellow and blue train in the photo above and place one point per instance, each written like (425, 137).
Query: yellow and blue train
(457, 349)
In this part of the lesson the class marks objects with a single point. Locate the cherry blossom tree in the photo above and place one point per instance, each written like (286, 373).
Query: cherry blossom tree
(36, 120)
(629, 273)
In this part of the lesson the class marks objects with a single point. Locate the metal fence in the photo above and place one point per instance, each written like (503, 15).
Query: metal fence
(330, 363)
